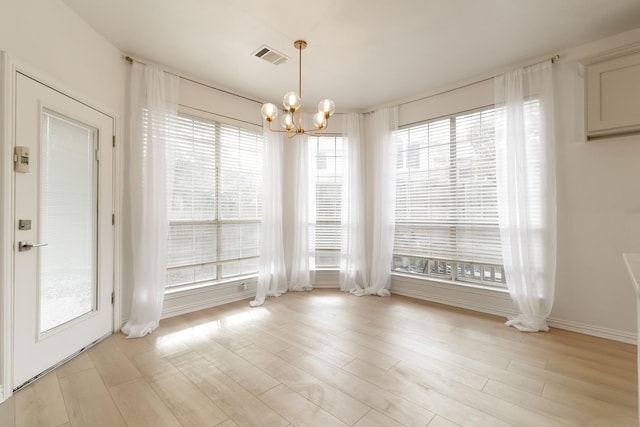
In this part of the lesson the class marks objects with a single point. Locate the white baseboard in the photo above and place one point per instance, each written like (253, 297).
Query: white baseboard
(317, 285)
(189, 300)
(496, 302)
(195, 299)
(326, 279)
(596, 331)
(490, 301)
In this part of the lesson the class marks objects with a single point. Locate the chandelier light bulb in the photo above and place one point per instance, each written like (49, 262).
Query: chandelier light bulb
(291, 102)
(269, 111)
(287, 121)
(319, 120)
(327, 107)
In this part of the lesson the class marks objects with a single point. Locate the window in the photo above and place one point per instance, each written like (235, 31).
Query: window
(325, 199)
(446, 200)
(215, 209)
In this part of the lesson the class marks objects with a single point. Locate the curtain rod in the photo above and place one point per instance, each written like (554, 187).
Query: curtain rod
(130, 60)
(553, 60)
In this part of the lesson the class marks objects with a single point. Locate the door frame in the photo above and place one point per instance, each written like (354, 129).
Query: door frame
(9, 69)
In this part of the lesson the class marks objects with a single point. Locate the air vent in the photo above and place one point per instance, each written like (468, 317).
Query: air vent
(270, 55)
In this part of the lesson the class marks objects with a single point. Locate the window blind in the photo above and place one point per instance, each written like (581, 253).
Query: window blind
(446, 200)
(216, 203)
(325, 181)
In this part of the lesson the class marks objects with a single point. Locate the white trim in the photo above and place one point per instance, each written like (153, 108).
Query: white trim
(496, 302)
(117, 228)
(617, 52)
(490, 301)
(199, 298)
(194, 299)
(326, 285)
(326, 279)
(6, 223)
(596, 331)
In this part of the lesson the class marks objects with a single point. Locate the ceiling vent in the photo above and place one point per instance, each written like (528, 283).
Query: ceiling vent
(270, 55)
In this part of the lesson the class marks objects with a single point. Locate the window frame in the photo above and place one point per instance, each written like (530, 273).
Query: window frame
(313, 209)
(437, 267)
(219, 121)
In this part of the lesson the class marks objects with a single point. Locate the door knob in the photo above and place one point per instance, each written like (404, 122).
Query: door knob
(25, 245)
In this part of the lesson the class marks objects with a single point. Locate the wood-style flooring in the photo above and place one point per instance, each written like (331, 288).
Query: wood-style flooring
(326, 358)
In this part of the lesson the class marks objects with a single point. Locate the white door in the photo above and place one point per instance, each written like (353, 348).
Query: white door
(63, 251)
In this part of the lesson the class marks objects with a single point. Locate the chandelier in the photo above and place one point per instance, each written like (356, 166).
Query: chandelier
(292, 118)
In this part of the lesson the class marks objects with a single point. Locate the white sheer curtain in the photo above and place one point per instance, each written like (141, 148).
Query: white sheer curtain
(353, 262)
(153, 108)
(272, 275)
(525, 156)
(382, 125)
(303, 218)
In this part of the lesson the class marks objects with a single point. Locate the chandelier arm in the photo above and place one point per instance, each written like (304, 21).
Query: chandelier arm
(315, 132)
(298, 129)
(293, 132)
(277, 130)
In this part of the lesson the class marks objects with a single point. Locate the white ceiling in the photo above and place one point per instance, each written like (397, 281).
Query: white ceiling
(361, 53)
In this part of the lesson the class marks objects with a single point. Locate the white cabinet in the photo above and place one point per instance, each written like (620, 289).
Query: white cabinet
(613, 94)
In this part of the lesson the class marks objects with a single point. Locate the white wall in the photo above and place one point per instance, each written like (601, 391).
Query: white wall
(46, 39)
(54, 41)
(598, 210)
(598, 207)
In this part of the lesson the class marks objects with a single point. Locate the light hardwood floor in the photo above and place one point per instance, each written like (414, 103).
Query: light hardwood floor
(325, 358)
